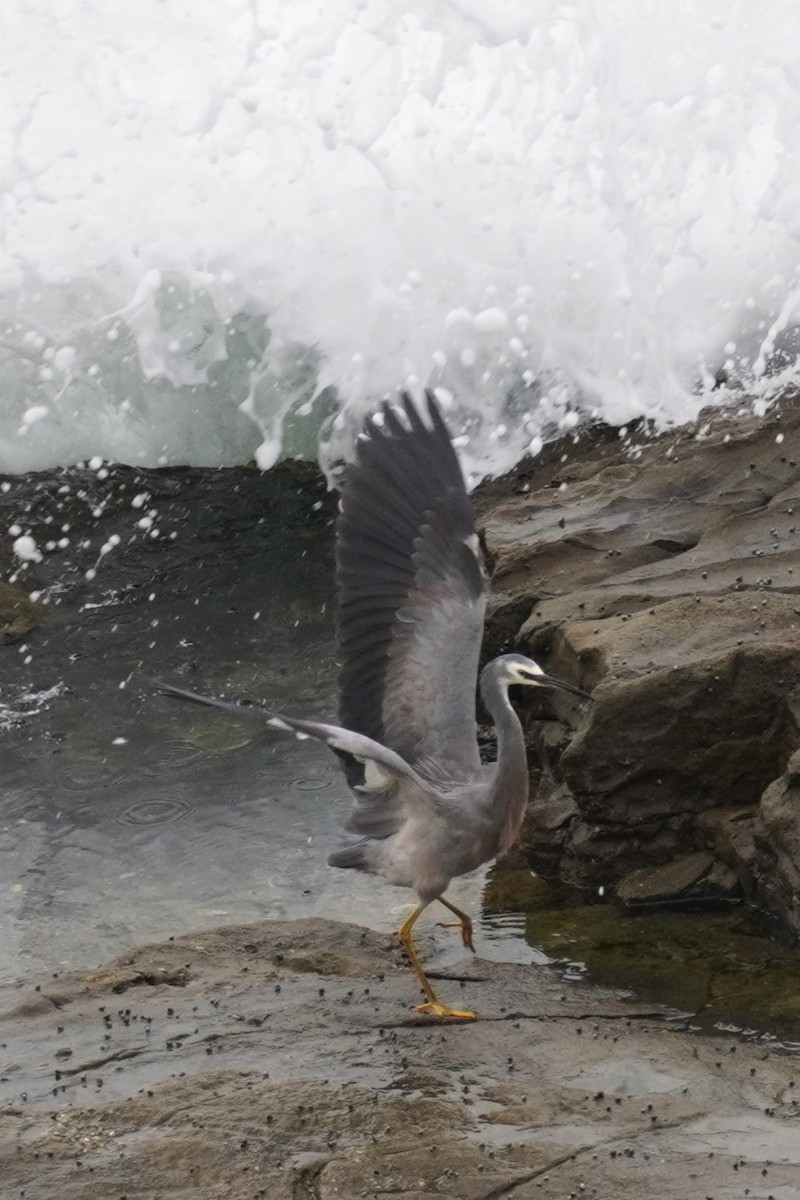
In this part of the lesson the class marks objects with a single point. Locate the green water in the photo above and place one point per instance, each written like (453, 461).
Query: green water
(720, 968)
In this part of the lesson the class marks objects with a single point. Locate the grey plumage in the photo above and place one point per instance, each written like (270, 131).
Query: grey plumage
(412, 600)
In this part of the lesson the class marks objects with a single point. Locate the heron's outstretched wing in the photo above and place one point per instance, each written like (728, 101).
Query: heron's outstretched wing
(411, 594)
(388, 790)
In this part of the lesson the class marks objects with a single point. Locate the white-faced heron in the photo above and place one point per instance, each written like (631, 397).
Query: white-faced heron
(412, 597)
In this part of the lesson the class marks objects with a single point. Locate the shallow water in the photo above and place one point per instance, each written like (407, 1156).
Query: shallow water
(126, 816)
(721, 969)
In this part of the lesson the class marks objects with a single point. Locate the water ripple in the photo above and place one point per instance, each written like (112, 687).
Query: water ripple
(86, 776)
(157, 810)
(311, 784)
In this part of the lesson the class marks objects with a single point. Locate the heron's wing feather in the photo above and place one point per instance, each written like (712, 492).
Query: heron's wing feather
(386, 788)
(411, 593)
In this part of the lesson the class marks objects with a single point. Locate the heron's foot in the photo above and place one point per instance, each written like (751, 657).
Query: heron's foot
(437, 1009)
(466, 931)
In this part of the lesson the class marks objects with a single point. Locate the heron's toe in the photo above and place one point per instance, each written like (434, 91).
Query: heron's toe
(466, 931)
(436, 1009)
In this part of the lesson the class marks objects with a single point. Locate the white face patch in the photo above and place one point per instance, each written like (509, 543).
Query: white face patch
(529, 673)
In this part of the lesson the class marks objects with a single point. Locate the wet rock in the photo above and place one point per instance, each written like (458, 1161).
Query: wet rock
(504, 616)
(710, 727)
(252, 1080)
(547, 826)
(664, 576)
(777, 835)
(694, 877)
(597, 854)
(676, 878)
(730, 833)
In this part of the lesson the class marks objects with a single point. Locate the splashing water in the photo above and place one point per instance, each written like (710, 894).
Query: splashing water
(230, 225)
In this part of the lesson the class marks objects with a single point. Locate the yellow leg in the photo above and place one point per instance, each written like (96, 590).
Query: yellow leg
(431, 1005)
(463, 923)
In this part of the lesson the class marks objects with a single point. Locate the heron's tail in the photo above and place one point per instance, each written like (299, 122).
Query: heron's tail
(352, 855)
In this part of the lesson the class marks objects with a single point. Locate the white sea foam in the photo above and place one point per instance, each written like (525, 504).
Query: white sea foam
(215, 214)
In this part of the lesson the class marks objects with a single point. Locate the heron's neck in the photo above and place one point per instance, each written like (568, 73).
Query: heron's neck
(510, 786)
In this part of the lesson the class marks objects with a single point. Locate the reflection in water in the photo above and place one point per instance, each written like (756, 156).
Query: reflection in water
(720, 968)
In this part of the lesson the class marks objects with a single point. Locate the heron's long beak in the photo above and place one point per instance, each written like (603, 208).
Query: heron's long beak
(555, 682)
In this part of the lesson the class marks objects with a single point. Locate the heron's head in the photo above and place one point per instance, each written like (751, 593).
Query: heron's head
(516, 668)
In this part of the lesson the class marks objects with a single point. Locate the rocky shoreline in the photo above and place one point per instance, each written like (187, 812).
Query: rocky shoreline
(663, 575)
(281, 1061)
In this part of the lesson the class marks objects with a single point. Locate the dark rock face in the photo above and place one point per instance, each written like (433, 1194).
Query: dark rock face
(777, 837)
(665, 577)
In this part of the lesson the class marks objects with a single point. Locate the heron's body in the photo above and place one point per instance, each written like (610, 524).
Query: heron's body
(412, 600)
(451, 835)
